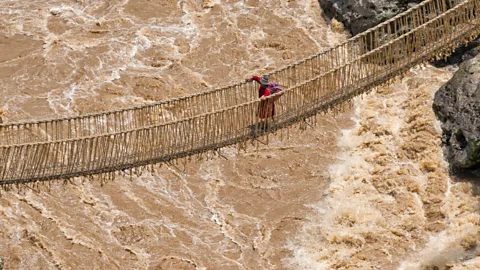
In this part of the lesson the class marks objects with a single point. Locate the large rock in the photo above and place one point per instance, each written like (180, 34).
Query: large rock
(457, 106)
(358, 16)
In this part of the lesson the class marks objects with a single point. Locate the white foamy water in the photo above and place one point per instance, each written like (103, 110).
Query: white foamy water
(69, 57)
(391, 203)
(386, 203)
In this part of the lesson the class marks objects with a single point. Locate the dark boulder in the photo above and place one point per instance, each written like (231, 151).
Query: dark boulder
(457, 106)
(358, 16)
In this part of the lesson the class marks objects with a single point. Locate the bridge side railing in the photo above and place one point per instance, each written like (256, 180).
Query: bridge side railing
(218, 99)
(157, 143)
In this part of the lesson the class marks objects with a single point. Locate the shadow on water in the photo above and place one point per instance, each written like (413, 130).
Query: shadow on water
(260, 129)
(472, 177)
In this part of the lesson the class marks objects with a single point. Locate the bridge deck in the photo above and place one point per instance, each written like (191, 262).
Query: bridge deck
(112, 141)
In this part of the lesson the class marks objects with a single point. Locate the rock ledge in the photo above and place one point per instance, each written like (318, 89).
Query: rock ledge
(457, 106)
(358, 16)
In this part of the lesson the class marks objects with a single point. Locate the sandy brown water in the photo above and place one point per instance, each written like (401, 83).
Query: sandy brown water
(222, 214)
(71, 57)
(391, 203)
(63, 58)
(368, 192)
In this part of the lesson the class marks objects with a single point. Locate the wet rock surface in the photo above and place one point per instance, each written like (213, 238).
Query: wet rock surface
(457, 106)
(358, 16)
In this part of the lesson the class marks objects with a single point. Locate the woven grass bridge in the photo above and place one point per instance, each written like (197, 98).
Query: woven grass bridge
(107, 142)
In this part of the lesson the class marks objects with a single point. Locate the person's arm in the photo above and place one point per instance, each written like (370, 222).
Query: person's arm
(256, 78)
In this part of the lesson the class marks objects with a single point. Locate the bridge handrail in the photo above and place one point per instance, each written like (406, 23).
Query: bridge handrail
(349, 63)
(126, 119)
(163, 142)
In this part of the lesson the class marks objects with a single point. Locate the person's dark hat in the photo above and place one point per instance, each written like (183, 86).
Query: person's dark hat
(264, 80)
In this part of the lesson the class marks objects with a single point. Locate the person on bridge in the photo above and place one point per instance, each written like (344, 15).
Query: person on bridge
(266, 108)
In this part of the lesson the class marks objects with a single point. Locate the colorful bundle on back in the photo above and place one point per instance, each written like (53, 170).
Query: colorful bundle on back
(275, 88)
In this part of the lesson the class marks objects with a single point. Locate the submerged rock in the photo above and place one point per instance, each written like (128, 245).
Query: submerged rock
(457, 106)
(358, 16)
(1, 263)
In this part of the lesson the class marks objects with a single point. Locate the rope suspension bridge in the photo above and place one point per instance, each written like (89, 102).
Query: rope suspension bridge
(106, 142)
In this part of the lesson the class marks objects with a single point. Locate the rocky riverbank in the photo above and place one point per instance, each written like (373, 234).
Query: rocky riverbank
(358, 16)
(457, 106)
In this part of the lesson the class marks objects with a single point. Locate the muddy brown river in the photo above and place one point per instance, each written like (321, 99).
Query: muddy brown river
(365, 188)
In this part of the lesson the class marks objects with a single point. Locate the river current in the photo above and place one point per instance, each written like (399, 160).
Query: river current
(365, 188)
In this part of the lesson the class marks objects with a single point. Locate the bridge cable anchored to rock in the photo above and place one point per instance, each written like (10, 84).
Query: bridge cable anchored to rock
(106, 142)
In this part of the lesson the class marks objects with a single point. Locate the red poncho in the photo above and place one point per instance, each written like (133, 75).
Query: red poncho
(266, 108)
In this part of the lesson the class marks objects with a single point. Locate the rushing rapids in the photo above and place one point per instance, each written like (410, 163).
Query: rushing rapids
(270, 208)
(123, 139)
